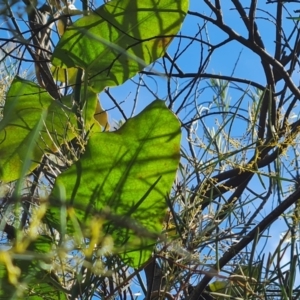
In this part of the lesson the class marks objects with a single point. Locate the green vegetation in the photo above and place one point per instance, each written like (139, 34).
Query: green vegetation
(177, 187)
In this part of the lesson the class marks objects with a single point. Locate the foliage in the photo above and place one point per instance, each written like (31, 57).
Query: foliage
(114, 185)
(90, 207)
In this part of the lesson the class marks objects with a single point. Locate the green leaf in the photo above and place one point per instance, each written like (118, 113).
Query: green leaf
(64, 75)
(120, 39)
(126, 176)
(219, 286)
(25, 103)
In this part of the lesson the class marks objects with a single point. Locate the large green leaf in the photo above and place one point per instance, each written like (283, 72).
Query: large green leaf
(128, 172)
(119, 39)
(24, 105)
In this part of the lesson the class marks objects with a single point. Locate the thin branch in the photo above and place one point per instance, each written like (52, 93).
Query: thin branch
(235, 249)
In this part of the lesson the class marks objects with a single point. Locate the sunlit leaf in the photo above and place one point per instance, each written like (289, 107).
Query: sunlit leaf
(101, 117)
(120, 39)
(219, 286)
(64, 75)
(24, 105)
(126, 175)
